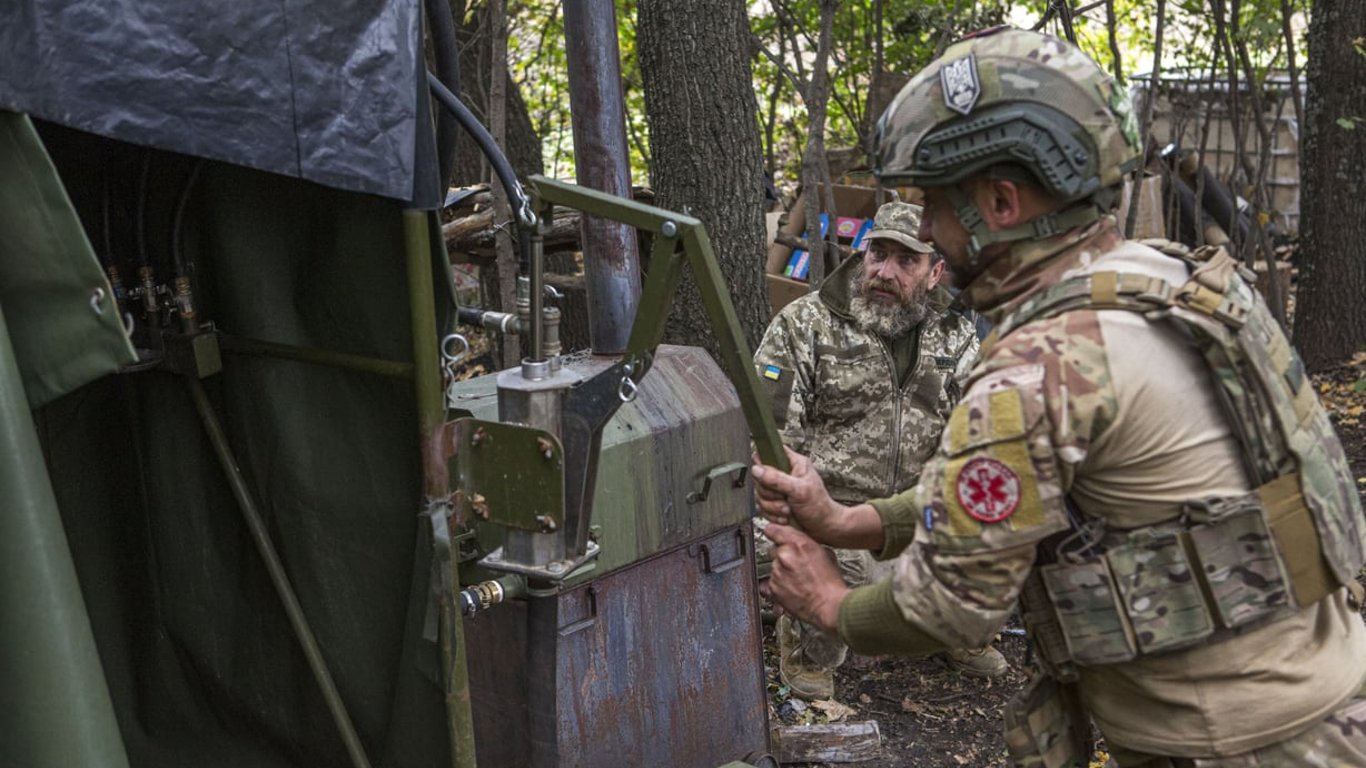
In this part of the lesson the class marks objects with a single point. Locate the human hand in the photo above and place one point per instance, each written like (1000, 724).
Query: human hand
(806, 581)
(796, 498)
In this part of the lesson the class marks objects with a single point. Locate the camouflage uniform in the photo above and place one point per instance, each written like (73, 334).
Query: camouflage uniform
(837, 400)
(1100, 408)
(1102, 458)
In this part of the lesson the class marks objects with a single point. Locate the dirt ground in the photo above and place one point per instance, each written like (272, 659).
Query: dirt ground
(930, 717)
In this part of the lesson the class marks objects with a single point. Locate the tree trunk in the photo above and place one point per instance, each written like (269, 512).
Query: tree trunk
(1330, 315)
(704, 130)
(523, 146)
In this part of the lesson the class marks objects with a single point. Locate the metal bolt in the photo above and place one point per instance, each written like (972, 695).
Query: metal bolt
(480, 506)
(547, 522)
(546, 448)
(555, 567)
(1079, 156)
(478, 436)
(668, 229)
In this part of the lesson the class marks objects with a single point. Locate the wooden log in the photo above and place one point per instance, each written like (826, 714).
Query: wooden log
(461, 228)
(827, 743)
(563, 233)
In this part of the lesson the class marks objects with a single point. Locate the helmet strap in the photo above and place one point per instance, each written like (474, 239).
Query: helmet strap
(972, 220)
(1037, 228)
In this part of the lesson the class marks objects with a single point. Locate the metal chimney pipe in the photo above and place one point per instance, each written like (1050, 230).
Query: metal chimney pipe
(611, 261)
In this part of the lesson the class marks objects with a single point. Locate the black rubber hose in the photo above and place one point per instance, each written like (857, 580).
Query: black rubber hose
(106, 252)
(516, 195)
(470, 315)
(177, 254)
(446, 53)
(140, 220)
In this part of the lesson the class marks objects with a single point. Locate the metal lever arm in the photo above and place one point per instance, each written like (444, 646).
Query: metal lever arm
(666, 265)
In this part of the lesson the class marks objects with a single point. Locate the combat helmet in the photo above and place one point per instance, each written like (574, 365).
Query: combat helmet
(1015, 100)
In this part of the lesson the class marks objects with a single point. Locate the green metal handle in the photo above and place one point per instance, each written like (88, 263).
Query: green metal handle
(666, 265)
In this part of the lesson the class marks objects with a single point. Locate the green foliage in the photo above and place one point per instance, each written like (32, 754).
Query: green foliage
(910, 31)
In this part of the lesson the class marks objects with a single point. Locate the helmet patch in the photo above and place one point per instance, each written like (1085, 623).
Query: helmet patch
(958, 79)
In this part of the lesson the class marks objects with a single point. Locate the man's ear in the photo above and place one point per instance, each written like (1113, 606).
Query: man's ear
(1001, 202)
(936, 272)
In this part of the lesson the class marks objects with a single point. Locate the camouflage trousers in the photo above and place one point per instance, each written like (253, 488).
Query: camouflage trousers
(857, 566)
(1336, 741)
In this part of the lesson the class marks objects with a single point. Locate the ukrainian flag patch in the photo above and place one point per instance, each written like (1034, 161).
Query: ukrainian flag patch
(772, 372)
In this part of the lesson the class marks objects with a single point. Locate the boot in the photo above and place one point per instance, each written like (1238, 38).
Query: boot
(986, 662)
(805, 679)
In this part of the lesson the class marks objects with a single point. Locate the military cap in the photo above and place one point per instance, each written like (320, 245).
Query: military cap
(899, 222)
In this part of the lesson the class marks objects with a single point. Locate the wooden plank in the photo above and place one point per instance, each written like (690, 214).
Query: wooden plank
(828, 743)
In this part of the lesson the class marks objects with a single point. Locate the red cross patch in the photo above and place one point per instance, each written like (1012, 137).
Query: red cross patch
(988, 490)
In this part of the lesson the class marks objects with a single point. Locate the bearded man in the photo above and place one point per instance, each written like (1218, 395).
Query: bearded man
(863, 375)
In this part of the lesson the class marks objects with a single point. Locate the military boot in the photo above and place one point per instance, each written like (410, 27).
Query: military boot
(806, 679)
(986, 662)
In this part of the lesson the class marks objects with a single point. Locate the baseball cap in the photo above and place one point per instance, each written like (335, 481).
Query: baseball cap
(900, 222)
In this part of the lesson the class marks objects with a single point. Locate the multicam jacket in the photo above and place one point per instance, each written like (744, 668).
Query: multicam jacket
(1089, 429)
(835, 392)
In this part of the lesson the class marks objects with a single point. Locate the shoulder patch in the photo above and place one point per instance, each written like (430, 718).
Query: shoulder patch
(996, 481)
(988, 490)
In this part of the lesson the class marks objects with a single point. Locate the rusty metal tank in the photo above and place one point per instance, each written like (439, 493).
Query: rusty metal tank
(651, 657)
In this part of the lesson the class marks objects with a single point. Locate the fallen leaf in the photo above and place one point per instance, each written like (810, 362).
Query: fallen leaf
(911, 706)
(865, 699)
(834, 710)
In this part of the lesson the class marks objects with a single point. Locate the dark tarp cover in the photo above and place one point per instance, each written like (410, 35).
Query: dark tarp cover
(200, 662)
(316, 89)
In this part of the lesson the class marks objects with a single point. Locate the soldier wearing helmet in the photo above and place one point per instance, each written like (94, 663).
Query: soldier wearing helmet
(1138, 462)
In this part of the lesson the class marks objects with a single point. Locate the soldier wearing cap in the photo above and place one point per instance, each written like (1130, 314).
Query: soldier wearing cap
(1139, 460)
(863, 375)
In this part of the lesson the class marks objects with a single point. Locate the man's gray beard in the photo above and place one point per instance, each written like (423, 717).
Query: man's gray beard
(889, 320)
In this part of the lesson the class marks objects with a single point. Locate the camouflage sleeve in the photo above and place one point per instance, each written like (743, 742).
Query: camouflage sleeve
(785, 361)
(996, 487)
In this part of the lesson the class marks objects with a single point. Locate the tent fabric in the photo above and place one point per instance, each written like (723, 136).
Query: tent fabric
(314, 89)
(201, 663)
(60, 309)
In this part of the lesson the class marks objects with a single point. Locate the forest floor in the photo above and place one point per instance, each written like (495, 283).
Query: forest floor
(929, 716)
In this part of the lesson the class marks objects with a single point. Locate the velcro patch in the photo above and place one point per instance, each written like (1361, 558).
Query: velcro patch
(772, 372)
(988, 490)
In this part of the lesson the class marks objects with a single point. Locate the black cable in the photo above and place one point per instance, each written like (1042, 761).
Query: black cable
(106, 253)
(177, 255)
(501, 167)
(446, 53)
(139, 220)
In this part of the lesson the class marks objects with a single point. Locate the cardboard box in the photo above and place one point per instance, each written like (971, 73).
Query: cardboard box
(851, 202)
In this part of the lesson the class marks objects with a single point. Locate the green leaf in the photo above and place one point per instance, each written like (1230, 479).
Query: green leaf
(1350, 123)
(1360, 386)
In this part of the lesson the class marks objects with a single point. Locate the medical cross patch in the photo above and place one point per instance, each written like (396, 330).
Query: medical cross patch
(958, 80)
(988, 490)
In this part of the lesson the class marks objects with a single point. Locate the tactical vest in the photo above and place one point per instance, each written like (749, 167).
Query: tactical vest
(1106, 597)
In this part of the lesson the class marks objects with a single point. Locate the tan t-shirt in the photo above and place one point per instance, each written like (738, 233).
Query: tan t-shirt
(1251, 689)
